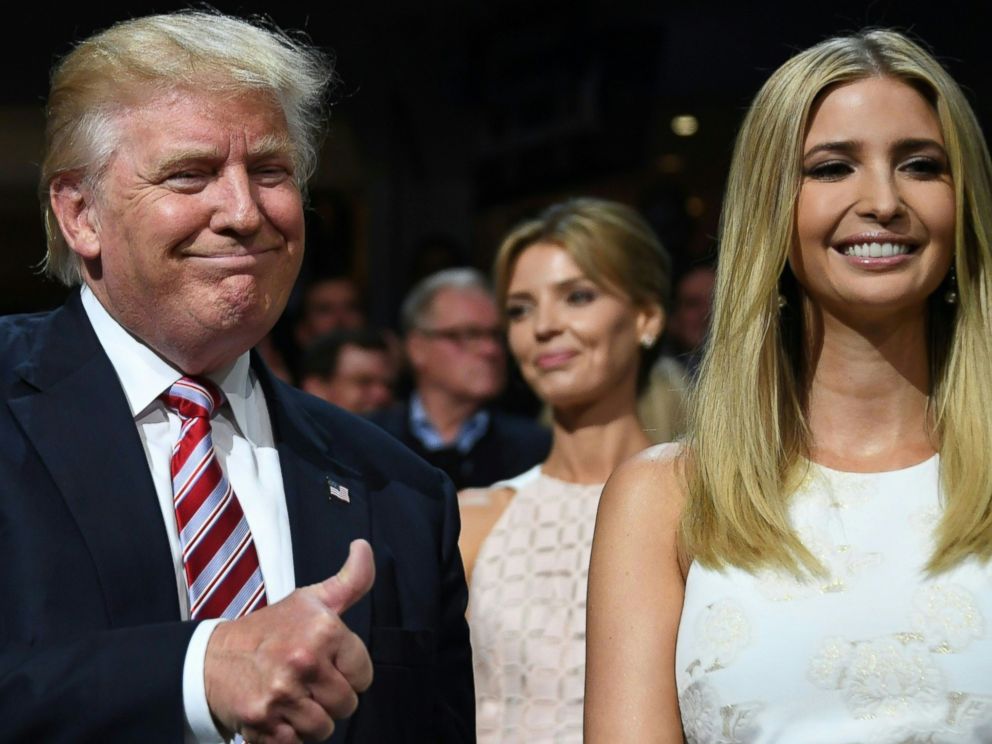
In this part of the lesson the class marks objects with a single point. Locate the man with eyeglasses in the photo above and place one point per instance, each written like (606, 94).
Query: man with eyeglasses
(454, 341)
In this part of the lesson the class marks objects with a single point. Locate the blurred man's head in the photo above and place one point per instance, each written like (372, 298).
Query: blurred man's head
(350, 369)
(329, 304)
(690, 316)
(454, 337)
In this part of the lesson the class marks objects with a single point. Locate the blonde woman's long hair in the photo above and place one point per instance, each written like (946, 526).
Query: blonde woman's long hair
(749, 436)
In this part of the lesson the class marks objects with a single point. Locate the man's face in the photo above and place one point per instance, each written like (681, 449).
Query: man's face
(331, 305)
(195, 233)
(459, 349)
(362, 382)
(693, 302)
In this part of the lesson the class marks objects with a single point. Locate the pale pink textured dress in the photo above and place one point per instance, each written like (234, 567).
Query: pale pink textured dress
(527, 612)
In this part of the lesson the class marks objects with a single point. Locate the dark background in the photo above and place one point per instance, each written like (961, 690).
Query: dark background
(455, 119)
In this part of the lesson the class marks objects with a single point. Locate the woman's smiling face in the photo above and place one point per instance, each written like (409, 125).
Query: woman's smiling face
(876, 212)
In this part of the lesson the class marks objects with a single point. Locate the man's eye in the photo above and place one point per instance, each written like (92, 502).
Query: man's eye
(271, 174)
(830, 171)
(186, 179)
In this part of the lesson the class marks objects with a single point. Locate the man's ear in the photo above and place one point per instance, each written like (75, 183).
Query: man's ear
(74, 208)
(650, 323)
(415, 349)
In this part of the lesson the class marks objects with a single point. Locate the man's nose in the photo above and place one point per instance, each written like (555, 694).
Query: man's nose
(381, 394)
(237, 209)
(489, 344)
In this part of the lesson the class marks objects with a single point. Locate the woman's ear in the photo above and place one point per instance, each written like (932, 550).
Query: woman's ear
(650, 324)
(73, 205)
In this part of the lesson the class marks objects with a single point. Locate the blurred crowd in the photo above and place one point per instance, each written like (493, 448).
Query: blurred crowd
(440, 383)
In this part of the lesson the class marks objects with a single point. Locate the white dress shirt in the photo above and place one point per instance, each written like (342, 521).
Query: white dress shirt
(243, 440)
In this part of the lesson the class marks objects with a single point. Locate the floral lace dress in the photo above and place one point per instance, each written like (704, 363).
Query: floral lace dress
(877, 652)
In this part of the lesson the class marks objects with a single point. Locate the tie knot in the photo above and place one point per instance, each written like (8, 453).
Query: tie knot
(193, 397)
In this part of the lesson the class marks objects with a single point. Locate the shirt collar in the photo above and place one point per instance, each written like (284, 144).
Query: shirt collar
(471, 431)
(144, 375)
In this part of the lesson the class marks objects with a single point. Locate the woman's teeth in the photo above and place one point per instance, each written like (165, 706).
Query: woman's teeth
(876, 250)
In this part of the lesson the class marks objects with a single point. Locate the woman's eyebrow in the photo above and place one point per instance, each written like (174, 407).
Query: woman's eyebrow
(918, 143)
(559, 285)
(842, 146)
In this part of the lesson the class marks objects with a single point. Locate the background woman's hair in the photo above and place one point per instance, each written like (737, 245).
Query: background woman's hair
(749, 434)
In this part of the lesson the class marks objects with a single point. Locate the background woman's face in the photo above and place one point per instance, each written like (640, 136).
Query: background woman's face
(575, 342)
(875, 218)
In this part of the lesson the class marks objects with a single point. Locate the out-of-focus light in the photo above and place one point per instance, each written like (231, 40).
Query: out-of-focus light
(670, 163)
(685, 125)
(694, 206)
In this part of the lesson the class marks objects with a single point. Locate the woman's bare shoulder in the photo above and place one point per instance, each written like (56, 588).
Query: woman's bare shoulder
(480, 510)
(649, 482)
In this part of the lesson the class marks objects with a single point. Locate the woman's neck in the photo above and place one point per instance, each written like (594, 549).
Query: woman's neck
(591, 441)
(868, 394)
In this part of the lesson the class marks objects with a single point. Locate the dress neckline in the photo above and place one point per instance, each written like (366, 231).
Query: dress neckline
(923, 464)
(575, 484)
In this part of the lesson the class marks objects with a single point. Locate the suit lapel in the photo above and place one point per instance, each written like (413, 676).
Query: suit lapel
(77, 418)
(327, 500)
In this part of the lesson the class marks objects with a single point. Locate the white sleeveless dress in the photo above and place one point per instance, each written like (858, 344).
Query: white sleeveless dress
(527, 612)
(877, 653)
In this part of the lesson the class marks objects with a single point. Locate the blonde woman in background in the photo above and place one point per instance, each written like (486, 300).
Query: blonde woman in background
(813, 565)
(583, 287)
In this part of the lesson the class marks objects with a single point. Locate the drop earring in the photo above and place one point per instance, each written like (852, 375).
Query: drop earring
(951, 295)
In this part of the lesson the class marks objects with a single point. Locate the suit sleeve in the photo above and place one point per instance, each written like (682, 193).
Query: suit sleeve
(116, 685)
(456, 717)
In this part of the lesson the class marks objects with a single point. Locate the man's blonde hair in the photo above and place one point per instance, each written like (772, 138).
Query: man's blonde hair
(135, 60)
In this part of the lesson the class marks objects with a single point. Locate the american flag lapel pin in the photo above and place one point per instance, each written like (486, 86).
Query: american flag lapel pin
(337, 491)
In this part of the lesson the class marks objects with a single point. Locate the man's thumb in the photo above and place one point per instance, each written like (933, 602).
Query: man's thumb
(350, 584)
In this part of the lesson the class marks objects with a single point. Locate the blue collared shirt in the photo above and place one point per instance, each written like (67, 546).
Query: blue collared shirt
(470, 432)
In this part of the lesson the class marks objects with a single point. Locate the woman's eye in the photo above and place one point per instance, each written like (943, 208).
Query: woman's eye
(581, 296)
(830, 171)
(925, 167)
(515, 312)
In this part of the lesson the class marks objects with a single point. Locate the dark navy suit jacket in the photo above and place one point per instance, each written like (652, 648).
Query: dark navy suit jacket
(91, 642)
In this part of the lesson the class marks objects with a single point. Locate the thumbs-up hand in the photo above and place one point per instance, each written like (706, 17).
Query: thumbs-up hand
(286, 672)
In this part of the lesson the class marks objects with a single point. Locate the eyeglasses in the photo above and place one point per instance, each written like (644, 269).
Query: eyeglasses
(465, 336)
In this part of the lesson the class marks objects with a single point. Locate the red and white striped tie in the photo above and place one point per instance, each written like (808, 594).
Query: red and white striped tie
(222, 571)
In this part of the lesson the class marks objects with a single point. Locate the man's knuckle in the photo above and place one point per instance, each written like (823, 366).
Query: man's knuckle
(283, 688)
(255, 716)
(302, 660)
(284, 734)
(364, 678)
(327, 628)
